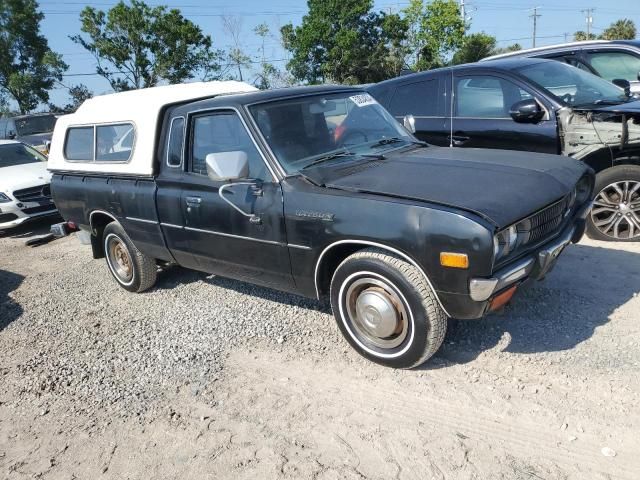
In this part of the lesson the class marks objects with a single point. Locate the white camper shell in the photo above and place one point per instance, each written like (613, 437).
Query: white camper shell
(116, 133)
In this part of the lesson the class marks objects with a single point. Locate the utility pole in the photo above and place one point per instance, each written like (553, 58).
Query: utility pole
(535, 16)
(463, 14)
(589, 19)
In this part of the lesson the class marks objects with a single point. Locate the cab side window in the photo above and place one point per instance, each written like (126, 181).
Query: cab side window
(223, 132)
(484, 96)
(615, 65)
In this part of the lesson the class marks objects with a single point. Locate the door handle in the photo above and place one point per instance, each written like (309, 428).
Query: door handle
(193, 201)
(458, 140)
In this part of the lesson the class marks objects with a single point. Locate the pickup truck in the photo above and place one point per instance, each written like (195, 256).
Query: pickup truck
(317, 191)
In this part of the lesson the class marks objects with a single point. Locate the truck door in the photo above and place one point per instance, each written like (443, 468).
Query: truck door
(235, 229)
(480, 116)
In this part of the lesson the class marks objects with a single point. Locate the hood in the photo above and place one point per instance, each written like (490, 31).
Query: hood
(23, 176)
(36, 139)
(500, 185)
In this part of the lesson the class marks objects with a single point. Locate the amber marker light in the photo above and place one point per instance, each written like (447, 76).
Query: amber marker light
(454, 260)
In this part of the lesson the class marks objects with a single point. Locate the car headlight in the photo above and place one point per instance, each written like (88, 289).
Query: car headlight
(4, 198)
(583, 190)
(505, 242)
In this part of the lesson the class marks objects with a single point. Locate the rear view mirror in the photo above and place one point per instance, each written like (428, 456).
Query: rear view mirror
(409, 123)
(526, 111)
(623, 84)
(225, 166)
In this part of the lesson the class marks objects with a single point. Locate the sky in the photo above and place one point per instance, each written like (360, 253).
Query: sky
(508, 21)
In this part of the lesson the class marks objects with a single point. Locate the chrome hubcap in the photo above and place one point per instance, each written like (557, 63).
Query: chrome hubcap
(377, 312)
(120, 259)
(616, 210)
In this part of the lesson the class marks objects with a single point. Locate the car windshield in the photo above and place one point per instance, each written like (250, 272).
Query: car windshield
(308, 130)
(37, 124)
(573, 86)
(12, 154)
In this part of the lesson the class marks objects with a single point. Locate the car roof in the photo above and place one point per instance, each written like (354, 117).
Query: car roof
(564, 46)
(287, 92)
(7, 142)
(498, 64)
(31, 115)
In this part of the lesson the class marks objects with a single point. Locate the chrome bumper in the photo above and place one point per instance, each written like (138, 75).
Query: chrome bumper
(535, 266)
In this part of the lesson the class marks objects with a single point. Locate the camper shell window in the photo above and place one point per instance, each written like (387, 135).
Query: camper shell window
(100, 143)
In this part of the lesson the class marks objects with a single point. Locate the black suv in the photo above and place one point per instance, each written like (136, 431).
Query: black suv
(609, 59)
(535, 105)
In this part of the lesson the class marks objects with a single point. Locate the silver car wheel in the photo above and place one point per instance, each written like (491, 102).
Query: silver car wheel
(616, 210)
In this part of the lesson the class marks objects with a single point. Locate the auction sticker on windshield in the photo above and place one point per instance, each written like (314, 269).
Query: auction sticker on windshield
(363, 99)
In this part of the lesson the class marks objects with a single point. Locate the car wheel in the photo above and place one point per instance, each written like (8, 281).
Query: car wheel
(386, 310)
(132, 269)
(615, 215)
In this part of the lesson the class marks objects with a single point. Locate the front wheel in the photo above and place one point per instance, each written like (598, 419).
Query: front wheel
(132, 269)
(386, 310)
(615, 215)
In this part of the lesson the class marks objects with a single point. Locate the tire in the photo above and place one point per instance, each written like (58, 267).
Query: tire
(132, 269)
(615, 215)
(405, 324)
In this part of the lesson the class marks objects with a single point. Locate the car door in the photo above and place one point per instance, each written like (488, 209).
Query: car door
(235, 229)
(480, 117)
(425, 100)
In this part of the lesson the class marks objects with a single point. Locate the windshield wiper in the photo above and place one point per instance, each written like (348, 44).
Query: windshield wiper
(392, 140)
(342, 153)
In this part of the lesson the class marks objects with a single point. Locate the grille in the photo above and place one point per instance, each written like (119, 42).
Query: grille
(41, 193)
(42, 208)
(542, 224)
(7, 217)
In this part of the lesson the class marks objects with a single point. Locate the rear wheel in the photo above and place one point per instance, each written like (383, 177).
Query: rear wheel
(386, 310)
(132, 269)
(615, 215)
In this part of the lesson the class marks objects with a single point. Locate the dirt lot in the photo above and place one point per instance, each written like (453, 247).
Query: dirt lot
(204, 377)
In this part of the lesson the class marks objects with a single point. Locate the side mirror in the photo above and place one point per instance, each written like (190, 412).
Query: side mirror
(526, 111)
(623, 84)
(225, 166)
(639, 76)
(409, 123)
(11, 135)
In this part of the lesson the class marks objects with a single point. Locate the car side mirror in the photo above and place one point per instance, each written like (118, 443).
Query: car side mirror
(225, 166)
(526, 111)
(409, 123)
(624, 84)
(11, 135)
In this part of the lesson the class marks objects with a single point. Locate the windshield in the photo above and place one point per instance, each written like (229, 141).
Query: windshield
(33, 125)
(300, 131)
(573, 86)
(12, 154)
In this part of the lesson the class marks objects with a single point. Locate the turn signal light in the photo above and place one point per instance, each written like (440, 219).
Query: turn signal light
(503, 298)
(454, 260)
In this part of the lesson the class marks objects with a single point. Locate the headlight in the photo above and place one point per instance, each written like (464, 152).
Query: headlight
(583, 190)
(505, 242)
(4, 198)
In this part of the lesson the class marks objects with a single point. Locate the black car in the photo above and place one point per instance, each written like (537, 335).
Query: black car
(538, 106)
(316, 191)
(612, 60)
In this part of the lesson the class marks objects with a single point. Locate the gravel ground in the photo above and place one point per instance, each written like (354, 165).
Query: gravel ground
(204, 377)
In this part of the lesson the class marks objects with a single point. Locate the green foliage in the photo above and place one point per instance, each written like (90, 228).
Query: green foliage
(78, 94)
(509, 48)
(344, 41)
(623, 29)
(138, 46)
(28, 68)
(436, 31)
(475, 47)
(581, 36)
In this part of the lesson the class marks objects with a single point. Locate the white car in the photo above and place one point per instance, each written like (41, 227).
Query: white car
(25, 191)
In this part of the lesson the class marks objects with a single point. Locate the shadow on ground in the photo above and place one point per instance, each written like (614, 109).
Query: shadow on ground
(586, 287)
(9, 310)
(32, 228)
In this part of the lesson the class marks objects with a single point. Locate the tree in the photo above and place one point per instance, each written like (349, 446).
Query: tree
(268, 72)
(509, 48)
(344, 41)
(78, 94)
(236, 57)
(138, 46)
(436, 30)
(475, 47)
(623, 29)
(581, 36)
(28, 68)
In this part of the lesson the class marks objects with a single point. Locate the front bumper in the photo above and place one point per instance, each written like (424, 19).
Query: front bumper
(12, 213)
(534, 266)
